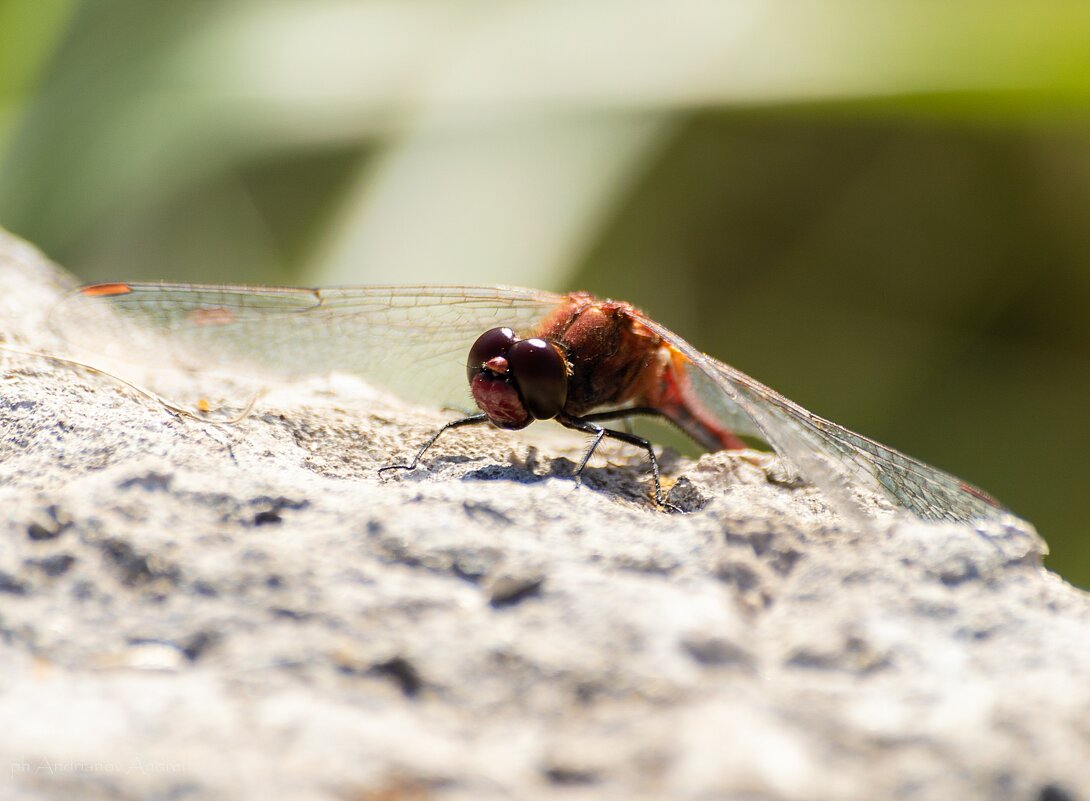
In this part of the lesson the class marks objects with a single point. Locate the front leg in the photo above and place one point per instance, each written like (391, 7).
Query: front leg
(465, 421)
(589, 427)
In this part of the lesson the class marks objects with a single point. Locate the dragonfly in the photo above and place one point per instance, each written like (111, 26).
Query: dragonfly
(525, 355)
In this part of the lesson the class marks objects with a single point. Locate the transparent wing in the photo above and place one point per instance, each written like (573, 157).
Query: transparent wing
(837, 461)
(412, 340)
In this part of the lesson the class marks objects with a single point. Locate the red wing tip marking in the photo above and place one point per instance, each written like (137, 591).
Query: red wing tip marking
(217, 315)
(981, 494)
(105, 290)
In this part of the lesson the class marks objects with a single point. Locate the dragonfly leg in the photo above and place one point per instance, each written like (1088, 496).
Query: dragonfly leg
(588, 426)
(631, 411)
(465, 421)
(723, 440)
(625, 415)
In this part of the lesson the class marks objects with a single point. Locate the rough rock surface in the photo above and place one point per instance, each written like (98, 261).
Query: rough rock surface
(198, 611)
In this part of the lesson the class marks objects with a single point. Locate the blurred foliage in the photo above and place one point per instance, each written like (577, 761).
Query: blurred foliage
(878, 209)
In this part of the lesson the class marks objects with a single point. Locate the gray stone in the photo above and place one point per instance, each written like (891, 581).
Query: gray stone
(191, 610)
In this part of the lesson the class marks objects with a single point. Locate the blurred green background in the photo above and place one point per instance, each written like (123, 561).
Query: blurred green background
(880, 209)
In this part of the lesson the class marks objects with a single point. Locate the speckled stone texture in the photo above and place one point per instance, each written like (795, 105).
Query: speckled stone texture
(194, 611)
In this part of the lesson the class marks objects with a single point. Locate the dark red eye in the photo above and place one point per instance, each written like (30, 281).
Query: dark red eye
(492, 343)
(541, 373)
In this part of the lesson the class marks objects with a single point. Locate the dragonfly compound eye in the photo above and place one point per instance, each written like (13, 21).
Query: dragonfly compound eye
(493, 343)
(541, 373)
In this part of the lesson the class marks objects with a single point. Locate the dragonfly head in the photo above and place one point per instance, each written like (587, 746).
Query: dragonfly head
(516, 381)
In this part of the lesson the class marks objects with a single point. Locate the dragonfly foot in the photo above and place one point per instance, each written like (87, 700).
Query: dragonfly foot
(382, 470)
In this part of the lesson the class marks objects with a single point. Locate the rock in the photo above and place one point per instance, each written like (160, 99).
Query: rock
(247, 611)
